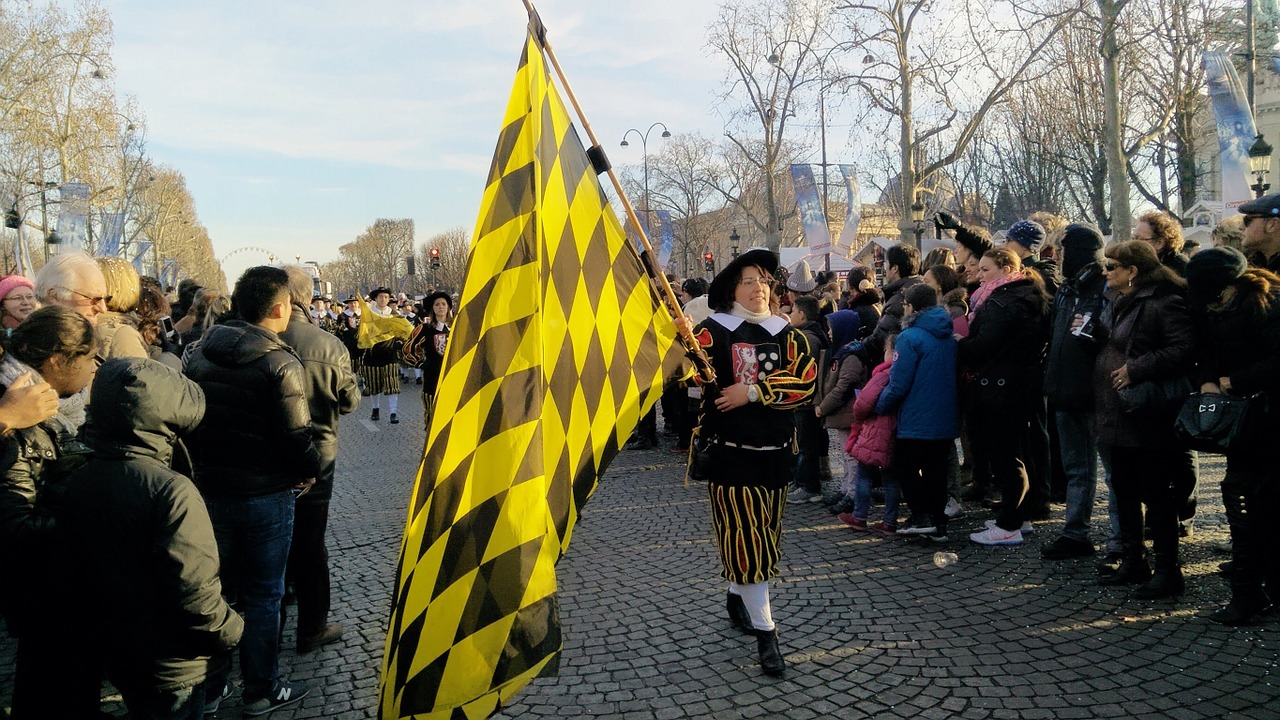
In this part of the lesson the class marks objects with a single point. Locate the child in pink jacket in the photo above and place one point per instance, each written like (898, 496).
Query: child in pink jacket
(871, 440)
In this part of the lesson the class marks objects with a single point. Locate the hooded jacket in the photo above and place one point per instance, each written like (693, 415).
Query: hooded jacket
(922, 381)
(256, 436)
(331, 392)
(1068, 369)
(142, 533)
(872, 436)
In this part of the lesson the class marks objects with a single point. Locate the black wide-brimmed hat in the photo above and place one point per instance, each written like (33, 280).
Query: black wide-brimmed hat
(720, 294)
(374, 293)
(430, 300)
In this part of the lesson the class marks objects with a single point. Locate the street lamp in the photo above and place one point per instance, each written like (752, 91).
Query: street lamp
(733, 242)
(644, 149)
(775, 59)
(1260, 165)
(917, 217)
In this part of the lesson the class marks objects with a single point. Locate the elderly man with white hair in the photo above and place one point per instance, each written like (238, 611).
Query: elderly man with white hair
(73, 280)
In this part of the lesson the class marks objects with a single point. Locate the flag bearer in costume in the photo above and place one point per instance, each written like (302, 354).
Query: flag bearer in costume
(425, 347)
(763, 372)
(381, 371)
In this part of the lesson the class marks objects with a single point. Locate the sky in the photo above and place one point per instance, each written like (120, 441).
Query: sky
(297, 124)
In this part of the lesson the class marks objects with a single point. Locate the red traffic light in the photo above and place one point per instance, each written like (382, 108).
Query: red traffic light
(708, 257)
(435, 253)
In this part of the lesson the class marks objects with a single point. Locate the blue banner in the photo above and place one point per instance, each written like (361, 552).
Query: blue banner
(666, 234)
(140, 256)
(853, 213)
(812, 215)
(112, 233)
(73, 216)
(1235, 129)
(169, 274)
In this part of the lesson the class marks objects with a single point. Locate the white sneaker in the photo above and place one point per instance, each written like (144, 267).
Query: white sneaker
(954, 509)
(1026, 529)
(996, 536)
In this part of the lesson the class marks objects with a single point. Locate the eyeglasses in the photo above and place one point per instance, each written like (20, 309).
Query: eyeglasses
(91, 300)
(753, 281)
(1111, 266)
(21, 298)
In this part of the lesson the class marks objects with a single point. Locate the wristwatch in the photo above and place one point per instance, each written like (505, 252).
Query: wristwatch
(753, 393)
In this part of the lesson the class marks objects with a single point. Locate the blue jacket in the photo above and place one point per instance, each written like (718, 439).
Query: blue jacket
(922, 383)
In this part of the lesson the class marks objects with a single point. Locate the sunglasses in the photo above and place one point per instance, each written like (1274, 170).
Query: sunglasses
(1250, 218)
(1112, 266)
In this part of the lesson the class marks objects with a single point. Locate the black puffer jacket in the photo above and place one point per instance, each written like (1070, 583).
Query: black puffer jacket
(1005, 347)
(1068, 370)
(331, 392)
(891, 319)
(256, 436)
(143, 534)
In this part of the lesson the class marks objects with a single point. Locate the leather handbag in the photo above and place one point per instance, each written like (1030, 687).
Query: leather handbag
(1217, 423)
(1155, 398)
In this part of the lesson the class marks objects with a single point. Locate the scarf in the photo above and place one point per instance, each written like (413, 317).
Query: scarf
(982, 293)
(71, 410)
(751, 317)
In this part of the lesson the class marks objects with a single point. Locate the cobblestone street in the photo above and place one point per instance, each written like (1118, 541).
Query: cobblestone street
(871, 627)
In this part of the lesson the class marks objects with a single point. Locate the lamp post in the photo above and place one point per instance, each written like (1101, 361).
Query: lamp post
(644, 149)
(733, 242)
(775, 59)
(1260, 165)
(917, 218)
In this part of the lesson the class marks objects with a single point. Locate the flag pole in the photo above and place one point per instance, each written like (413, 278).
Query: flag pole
(702, 364)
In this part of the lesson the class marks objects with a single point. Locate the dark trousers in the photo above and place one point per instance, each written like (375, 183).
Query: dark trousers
(1037, 458)
(309, 565)
(54, 677)
(674, 408)
(145, 702)
(920, 467)
(1251, 494)
(997, 439)
(811, 435)
(1144, 476)
(647, 429)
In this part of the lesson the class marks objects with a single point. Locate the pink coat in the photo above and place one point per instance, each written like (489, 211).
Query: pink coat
(871, 437)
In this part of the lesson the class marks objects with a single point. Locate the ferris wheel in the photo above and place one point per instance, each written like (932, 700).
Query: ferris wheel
(266, 254)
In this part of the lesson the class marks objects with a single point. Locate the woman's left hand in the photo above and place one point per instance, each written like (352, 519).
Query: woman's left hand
(1120, 378)
(734, 396)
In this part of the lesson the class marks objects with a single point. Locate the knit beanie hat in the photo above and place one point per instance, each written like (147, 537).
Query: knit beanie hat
(1027, 233)
(9, 282)
(801, 278)
(1081, 244)
(1210, 271)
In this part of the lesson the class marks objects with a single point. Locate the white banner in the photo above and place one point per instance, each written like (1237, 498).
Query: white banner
(812, 215)
(853, 214)
(1235, 129)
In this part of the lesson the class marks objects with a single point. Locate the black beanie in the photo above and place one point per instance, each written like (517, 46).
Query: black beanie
(1081, 244)
(1210, 271)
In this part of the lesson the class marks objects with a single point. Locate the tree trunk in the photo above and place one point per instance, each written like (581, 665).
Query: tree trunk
(1117, 165)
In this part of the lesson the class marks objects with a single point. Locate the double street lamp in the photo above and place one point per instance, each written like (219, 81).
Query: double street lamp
(644, 148)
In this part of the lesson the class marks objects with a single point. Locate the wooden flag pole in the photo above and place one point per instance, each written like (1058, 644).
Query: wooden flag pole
(702, 364)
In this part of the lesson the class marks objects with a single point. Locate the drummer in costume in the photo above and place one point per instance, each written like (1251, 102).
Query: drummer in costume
(763, 372)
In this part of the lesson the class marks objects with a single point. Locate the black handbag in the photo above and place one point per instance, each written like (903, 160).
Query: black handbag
(1217, 423)
(1155, 398)
(699, 468)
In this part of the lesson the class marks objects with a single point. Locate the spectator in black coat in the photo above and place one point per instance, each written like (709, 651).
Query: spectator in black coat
(901, 273)
(144, 535)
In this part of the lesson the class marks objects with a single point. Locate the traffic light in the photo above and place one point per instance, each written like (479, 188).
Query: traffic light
(411, 267)
(710, 261)
(435, 258)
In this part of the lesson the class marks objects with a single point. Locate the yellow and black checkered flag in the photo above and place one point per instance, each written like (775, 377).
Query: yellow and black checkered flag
(559, 347)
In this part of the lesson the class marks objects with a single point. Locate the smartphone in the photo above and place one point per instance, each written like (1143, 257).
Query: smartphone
(166, 325)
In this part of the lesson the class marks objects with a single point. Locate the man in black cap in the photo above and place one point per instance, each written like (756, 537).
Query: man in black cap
(1262, 231)
(1025, 238)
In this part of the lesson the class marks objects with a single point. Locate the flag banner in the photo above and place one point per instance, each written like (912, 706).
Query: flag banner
(666, 234)
(375, 329)
(73, 215)
(112, 234)
(812, 215)
(23, 255)
(140, 256)
(1235, 129)
(560, 346)
(169, 273)
(853, 213)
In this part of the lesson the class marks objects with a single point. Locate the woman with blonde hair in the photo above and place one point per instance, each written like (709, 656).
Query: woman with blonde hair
(117, 328)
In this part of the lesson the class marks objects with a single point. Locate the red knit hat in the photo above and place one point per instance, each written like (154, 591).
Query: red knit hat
(9, 282)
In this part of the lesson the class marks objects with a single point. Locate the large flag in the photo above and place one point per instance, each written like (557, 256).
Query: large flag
(559, 347)
(1235, 129)
(813, 216)
(375, 328)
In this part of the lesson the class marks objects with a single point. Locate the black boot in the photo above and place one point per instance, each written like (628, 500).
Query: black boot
(1244, 608)
(738, 614)
(771, 661)
(1165, 583)
(1133, 570)
(375, 415)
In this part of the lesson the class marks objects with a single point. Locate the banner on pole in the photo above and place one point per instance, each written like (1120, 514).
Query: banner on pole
(666, 234)
(73, 216)
(1235, 129)
(140, 256)
(812, 215)
(853, 214)
(112, 233)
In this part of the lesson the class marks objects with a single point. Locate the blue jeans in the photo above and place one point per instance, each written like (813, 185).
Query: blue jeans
(253, 535)
(1080, 465)
(862, 478)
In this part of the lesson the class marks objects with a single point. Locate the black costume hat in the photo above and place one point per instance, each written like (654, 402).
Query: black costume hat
(374, 293)
(428, 303)
(720, 295)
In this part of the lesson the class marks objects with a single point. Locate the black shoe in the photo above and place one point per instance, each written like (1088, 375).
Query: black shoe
(738, 614)
(640, 443)
(1226, 569)
(1241, 612)
(1132, 571)
(284, 695)
(394, 420)
(844, 505)
(1037, 512)
(375, 415)
(918, 525)
(417, 381)
(1110, 563)
(771, 661)
(1166, 584)
(1065, 548)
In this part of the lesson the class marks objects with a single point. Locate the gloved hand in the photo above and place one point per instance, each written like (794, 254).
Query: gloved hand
(946, 221)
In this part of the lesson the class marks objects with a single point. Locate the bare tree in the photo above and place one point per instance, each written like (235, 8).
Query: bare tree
(454, 245)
